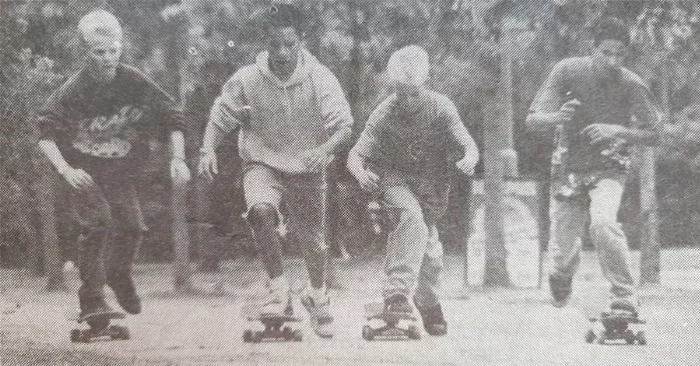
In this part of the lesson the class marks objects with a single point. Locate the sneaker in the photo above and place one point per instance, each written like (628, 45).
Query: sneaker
(278, 302)
(94, 306)
(125, 291)
(397, 303)
(433, 320)
(319, 314)
(560, 288)
(624, 305)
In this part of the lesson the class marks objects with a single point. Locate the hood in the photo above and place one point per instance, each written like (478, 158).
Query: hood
(304, 65)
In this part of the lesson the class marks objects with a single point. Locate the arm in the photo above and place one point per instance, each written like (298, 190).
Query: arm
(77, 178)
(548, 109)
(227, 114)
(646, 127)
(337, 117)
(461, 136)
(367, 146)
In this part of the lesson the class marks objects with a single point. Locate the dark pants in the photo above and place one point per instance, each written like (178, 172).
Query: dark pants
(111, 224)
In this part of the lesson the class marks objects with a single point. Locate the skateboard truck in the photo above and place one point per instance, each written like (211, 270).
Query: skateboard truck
(615, 327)
(274, 330)
(100, 328)
(390, 329)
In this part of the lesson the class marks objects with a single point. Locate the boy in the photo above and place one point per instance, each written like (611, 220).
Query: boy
(402, 157)
(94, 130)
(597, 122)
(293, 117)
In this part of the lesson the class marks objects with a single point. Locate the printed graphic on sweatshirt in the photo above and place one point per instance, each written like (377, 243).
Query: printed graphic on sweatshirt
(108, 136)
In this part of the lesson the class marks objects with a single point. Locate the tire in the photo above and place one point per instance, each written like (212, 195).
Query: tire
(641, 338)
(248, 336)
(590, 336)
(413, 332)
(367, 333)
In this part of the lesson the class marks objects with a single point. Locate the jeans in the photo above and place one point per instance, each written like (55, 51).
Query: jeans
(568, 219)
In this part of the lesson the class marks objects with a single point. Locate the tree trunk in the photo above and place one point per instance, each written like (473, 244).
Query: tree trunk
(650, 261)
(500, 161)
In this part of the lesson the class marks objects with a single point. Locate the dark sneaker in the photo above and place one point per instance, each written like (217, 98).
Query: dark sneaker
(433, 320)
(560, 288)
(92, 306)
(397, 303)
(125, 291)
(320, 315)
(623, 305)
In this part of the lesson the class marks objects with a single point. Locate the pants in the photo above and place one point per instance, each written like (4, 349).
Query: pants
(303, 198)
(414, 253)
(568, 220)
(111, 224)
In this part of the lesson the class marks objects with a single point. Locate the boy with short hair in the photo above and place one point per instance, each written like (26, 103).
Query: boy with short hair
(293, 118)
(402, 157)
(94, 131)
(601, 106)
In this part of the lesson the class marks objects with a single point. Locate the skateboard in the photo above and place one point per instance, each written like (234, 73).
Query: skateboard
(274, 328)
(99, 327)
(616, 326)
(390, 329)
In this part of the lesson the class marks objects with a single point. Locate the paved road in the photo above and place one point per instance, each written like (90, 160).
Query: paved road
(497, 327)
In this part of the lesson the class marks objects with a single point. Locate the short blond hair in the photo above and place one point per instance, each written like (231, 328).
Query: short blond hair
(409, 65)
(100, 24)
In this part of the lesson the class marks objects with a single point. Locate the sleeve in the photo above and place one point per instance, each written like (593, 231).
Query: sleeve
(231, 99)
(455, 125)
(335, 109)
(168, 114)
(51, 118)
(367, 145)
(552, 93)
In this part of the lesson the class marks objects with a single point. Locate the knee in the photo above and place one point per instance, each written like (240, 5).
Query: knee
(599, 224)
(414, 219)
(262, 215)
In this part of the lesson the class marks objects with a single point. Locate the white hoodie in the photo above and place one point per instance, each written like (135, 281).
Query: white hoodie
(286, 118)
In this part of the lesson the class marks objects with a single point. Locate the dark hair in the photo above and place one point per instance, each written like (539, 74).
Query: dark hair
(282, 16)
(611, 28)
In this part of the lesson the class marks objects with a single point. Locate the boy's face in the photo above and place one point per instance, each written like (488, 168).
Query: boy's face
(408, 97)
(283, 45)
(103, 56)
(608, 56)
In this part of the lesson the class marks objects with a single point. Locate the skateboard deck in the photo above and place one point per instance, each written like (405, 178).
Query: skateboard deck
(615, 325)
(274, 327)
(391, 328)
(99, 327)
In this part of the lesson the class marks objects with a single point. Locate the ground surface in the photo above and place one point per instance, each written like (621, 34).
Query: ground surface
(495, 327)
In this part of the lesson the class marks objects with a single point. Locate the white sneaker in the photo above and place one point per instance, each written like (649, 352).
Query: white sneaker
(319, 312)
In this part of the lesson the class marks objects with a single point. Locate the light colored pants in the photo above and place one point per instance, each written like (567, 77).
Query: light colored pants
(568, 225)
(413, 253)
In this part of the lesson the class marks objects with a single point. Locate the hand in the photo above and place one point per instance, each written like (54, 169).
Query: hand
(77, 178)
(179, 172)
(567, 110)
(600, 132)
(208, 166)
(316, 159)
(467, 164)
(369, 181)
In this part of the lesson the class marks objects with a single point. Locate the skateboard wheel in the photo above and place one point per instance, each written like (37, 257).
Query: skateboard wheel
(257, 337)
(124, 333)
(629, 337)
(590, 336)
(367, 333)
(287, 334)
(601, 339)
(297, 336)
(75, 335)
(248, 336)
(641, 338)
(85, 336)
(413, 332)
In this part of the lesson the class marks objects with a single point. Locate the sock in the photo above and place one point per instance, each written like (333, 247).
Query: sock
(319, 295)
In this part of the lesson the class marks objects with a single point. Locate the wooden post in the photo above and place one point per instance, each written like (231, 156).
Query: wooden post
(45, 195)
(650, 261)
